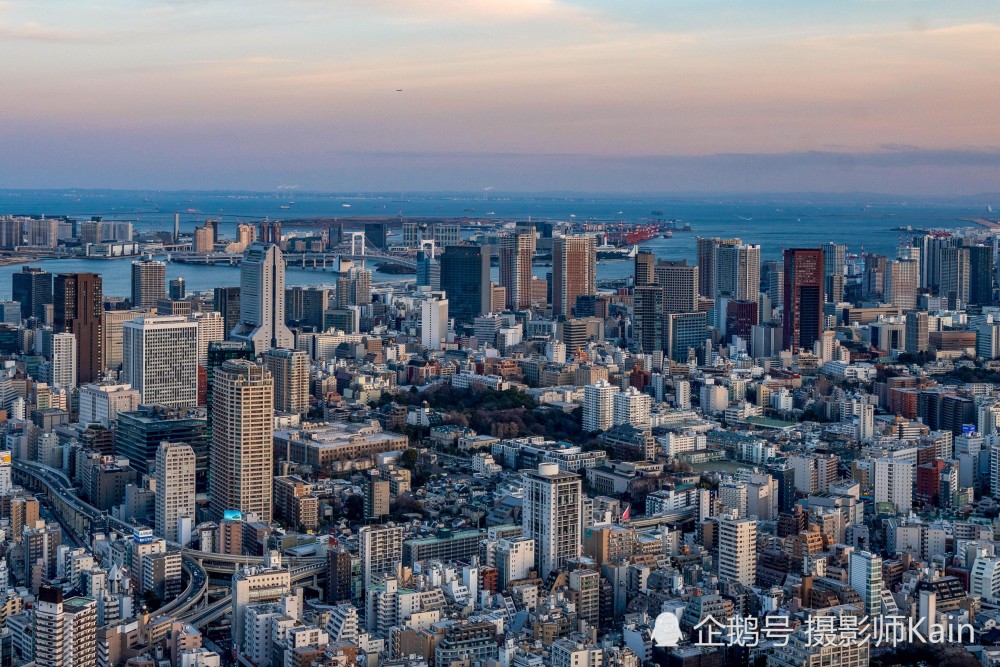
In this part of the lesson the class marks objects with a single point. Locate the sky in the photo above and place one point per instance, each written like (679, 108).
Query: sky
(515, 95)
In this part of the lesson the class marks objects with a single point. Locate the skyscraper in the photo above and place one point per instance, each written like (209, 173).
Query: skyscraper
(980, 275)
(306, 306)
(32, 288)
(917, 332)
(574, 271)
(262, 299)
(679, 283)
(902, 279)
(11, 233)
(175, 489)
(551, 516)
(63, 364)
(647, 311)
(517, 251)
(211, 328)
(160, 360)
(834, 261)
(645, 262)
(140, 432)
(737, 268)
(465, 280)
(803, 299)
(953, 280)
(78, 308)
(241, 463)
(707, 272)
(227, 301)
(738, 550)
(149, 283)
(434, 320)
(354, 286)
(290, 372)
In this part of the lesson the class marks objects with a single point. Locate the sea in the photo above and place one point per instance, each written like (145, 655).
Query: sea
(870, 223)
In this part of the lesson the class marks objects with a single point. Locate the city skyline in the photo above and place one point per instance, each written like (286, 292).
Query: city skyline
(524, 95)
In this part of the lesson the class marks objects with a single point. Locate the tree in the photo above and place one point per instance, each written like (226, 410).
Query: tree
(408, 459)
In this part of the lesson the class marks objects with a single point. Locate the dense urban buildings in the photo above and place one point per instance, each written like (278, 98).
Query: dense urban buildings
(521, 466)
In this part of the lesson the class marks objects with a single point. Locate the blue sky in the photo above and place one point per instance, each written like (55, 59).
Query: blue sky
(634, 95)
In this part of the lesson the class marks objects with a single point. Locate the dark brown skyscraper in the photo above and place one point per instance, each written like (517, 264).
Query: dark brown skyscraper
(803, 317)
(78, 308)
(574, 271)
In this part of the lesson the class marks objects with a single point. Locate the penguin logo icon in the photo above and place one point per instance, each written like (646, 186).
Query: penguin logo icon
(667, 631)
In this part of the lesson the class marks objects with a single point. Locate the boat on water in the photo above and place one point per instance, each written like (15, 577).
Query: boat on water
(610, 252)
(668, 234)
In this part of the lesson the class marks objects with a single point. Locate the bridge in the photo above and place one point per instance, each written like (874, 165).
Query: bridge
(198, 566)
(356, 248)
(200, 617)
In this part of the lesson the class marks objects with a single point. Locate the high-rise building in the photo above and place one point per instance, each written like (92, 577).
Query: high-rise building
(953, 276)
(114, 333)
(262, 299)
(78, 308)
(290, 372)
(517, 252)
(306, 306)
(645, 263)
(227, 301)
(894, 483)
(980, 275)
(11, 233)
(631, 407)
(377, 497)
(551, 516)
(917, 332)
(50, 629)
(177, 288)
(43, 232)
(738, 550)
(377, 234)
(647, 318)
(160, 360)
(902, 280)
(773, 281)
(354, 286)
(803, 300)
(679, 283)
(241, 469)
(139, 433)
(866, 579)
(149, 283)
(211, 328)
(834, 262)
(737, 268)
(684, 332)
(203, 241)
(574, 271)
(465, 280)
(63, 365)
(175, 490)
(707, 272)
(32, 288)
(434, 320)
(381, 550)
(598, 406)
